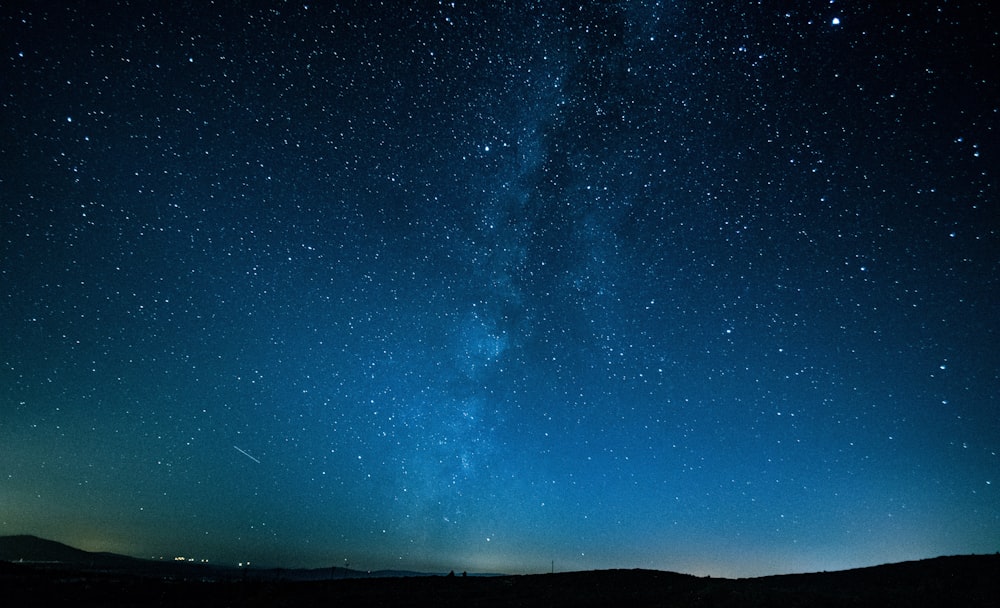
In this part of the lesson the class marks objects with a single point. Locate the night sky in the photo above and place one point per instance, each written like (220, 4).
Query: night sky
(711, 287)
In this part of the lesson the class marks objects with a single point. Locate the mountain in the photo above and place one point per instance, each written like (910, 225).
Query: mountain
(56, 574)
(49, 553)
(33, 549)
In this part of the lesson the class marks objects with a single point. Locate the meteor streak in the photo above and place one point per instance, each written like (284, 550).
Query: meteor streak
(247, 455)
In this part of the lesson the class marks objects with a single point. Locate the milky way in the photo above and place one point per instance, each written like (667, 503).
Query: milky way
(705, 287)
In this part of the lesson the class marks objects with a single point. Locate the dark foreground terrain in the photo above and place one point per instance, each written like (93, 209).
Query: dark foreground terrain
(944, 581)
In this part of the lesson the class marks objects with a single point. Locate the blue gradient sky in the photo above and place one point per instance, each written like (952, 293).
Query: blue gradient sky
(702, 287)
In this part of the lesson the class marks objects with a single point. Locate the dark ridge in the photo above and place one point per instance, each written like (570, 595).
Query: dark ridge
(29, 548)
(963, 580)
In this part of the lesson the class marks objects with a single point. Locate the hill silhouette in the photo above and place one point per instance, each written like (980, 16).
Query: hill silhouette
(29, 548)
(50, 554)
(55, 574)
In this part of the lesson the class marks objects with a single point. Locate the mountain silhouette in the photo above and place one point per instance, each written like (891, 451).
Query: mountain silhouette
(33, 549)
(37, 551)
(35, 571)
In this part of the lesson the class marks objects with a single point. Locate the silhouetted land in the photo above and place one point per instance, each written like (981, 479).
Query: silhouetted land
(943, 581)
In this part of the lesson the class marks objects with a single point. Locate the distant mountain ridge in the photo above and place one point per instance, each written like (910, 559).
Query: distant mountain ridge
(40, 551)
(44, 552)
(56, 574)
(24, 547)
(34, 550)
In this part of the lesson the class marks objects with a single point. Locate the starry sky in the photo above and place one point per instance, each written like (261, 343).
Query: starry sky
(709, 287)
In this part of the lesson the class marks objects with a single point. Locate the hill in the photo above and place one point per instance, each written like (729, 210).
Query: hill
(33, 549)
(965, 580)
(49, 554)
